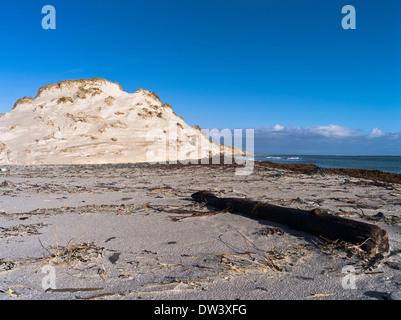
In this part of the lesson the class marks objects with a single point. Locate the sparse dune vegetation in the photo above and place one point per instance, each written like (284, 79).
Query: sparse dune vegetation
(196, 127)
(83, 92)
(167, 106)
(65, 84)
(83, 117)
(63, 100)
(149, 94)
(109, 100)
(22, 101)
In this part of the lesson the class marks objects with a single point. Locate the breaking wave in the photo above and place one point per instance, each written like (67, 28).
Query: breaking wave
(282, 158)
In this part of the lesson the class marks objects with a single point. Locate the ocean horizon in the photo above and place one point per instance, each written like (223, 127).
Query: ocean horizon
(383, 163)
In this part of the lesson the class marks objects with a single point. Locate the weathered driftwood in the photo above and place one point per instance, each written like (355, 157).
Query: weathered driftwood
(371, 238)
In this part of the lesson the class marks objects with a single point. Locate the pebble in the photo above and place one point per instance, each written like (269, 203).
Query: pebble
(379, 215)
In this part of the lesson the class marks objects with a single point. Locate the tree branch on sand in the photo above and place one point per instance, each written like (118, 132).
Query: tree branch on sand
(369, 237)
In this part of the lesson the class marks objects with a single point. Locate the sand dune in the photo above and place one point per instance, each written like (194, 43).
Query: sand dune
(95, 121)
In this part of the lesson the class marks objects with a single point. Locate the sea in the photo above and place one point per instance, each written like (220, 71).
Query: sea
(382, 163)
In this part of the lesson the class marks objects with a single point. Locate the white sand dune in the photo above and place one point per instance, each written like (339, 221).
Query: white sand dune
(95, 121)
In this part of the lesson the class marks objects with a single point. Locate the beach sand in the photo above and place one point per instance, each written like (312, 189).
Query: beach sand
(133, 232)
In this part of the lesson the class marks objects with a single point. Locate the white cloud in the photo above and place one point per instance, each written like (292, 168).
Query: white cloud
(332, 131)
(326, 139)
(376, 132)
(277, 127)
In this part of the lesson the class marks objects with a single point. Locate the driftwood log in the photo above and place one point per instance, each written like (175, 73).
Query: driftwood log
(369, 237)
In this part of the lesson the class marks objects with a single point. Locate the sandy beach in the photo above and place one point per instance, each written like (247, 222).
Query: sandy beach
(132, 231)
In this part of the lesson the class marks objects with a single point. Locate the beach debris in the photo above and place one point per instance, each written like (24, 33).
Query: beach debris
(114, 257)
(256, 259)
(241, 263)
(187, 213)
(342, 212)
(379, 215)
(15, 264)
(369, 237)
(298, 200)
(11, 291)
(7, 183)
(149, 252)
(21, 230)
(270, 231)
(394, 265)
(276, 175)
(319, 295)
(366, 264)
(109, 239)
(3, 169)
(175, 286)
(330, 247)
(102, 295)
(371, 262)
(72, 290)
(73, 253)
(318, 170)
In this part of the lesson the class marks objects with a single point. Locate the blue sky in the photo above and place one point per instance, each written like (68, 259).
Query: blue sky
(225, 63)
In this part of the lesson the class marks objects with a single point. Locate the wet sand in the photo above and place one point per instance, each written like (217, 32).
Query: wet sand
(132, 231)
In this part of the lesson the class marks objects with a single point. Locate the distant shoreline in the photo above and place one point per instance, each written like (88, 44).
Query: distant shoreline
(325, 155)
(390, 164)
(306, 168)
